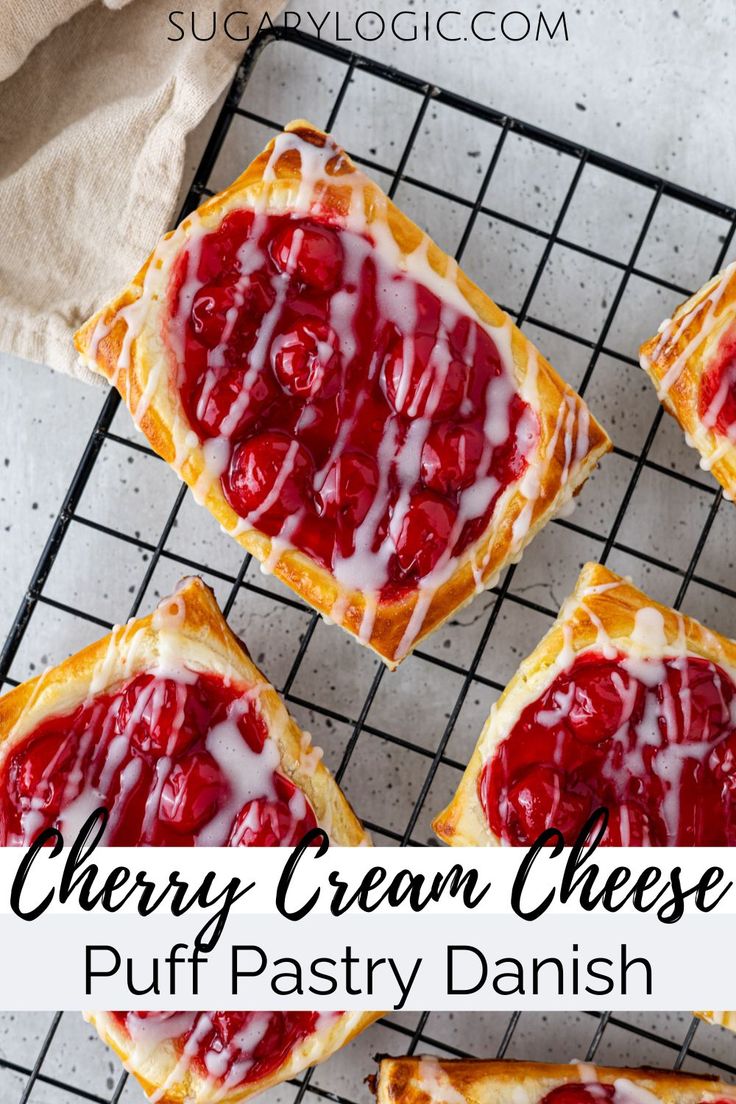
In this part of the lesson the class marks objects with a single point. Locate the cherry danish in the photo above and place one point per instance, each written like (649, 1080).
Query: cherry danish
(399, 389)
(349, 406)
(430, 1080)
(624, 705)
(653, 741)
(160, 754)
(190, 748)
(691, 361)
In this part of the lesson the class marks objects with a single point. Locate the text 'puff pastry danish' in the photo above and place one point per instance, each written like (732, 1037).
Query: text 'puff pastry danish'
(624, 704)
(170, 726)
(692, 363)
(429, 1080)
(349, 406)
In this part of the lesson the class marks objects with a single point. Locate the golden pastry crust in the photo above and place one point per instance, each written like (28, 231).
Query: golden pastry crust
(440, 1081)
(189, 630)
(125, 343)
(676, 360)
(722, 1019)
(603, 608)
(154, 1070)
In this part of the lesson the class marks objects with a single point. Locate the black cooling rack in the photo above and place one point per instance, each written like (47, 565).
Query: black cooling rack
(633, 269)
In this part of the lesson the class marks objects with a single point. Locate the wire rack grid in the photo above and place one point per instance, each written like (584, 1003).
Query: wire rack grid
(544, 223)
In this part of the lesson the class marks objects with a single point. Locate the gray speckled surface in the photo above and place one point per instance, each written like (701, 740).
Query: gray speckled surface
(648, 83)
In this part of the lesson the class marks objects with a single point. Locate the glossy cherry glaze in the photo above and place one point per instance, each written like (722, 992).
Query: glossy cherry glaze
(346, 408)
(177, 762)
(652, 741)
(594, 1092)
(718, 390)
(226, 1048)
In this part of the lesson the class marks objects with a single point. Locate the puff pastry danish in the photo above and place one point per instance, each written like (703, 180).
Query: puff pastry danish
(624, 704)
(692, 363)
(349, 406)
(429, 1080)
(170, 726)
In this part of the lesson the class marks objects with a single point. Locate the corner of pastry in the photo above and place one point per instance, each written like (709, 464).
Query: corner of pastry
(168, 725)
(692, 363)
(618, 681)
(356, 412)
(142, 682)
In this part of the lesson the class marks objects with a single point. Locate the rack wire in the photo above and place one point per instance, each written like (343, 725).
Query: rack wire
(631, 273)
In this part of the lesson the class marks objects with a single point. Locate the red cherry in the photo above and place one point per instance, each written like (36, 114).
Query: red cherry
(349, 488)
(590, 1093)
(718, 392)
(252, 728)
(229, 1024)
(218, 250)
(275, 1035)
(317, 426)
(302, 357)
(540, 800)
(215, 401)
(256, 296)
(311, 253)
(722, 760)
(630, 826)
(35, 775)
(418, 387)
(209, 311)
(236, 226)
(267, 477)
(425, 533)
(450, 456)
(602, 699)
(192, 792)
(159, 716)
(706, 700)
(278, 822)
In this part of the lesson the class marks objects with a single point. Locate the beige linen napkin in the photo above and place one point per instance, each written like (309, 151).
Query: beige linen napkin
(95, 106)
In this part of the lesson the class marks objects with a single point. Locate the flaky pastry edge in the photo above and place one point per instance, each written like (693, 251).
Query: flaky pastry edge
(603, 607)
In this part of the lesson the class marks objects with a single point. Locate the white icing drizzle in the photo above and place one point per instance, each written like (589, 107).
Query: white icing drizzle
(629, 1093)
(435, 1082)
(672, 329)
(310, 755)
(625, 1091)
(643, 658)
(364, 572)
(249, 773)
(103, 746)
(704, 308)
(223, 1067)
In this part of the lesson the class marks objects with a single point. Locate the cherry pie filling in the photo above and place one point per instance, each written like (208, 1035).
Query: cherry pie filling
(346, 408)
(718, 391)
(226, 1048)
(182, 761)
(653, 741)
(595, 1092)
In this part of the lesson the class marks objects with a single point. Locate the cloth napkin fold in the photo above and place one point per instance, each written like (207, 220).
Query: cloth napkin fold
(95, 107)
